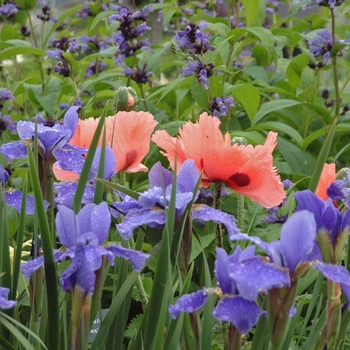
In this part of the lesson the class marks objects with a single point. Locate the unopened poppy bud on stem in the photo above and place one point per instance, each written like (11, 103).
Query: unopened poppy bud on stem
(239, 140)
(125, 99)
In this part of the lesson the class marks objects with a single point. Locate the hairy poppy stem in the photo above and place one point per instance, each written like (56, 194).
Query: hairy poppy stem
(217, 202)
(240, 211)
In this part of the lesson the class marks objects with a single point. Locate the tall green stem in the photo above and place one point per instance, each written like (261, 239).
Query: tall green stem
(39, 59)
(335, 70)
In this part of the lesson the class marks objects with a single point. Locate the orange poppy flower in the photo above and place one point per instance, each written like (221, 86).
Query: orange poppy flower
(127, 133)
(328, 176)
(245, 169)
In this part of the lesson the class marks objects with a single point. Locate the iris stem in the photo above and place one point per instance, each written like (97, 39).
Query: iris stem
(81, 306)
(47, 187)
(232, 338)
(278, 313)
(333, 314)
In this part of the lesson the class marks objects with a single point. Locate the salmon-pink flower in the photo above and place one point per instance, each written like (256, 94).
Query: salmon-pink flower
(127, 133)
(328, 176)
(245, 169)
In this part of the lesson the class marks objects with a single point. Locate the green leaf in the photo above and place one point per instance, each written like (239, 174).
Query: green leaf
(48, 99)
(101, 78)
(282, 128)
(272, 106)
(13, 51)
(216, 88)
(208, 320)
(26, 5)
(337, 48)
(9, 31)
(296, 67)
(99, 17)
(261, 55)
(50, 267)
(300, 161)
(120, 188)
(199, 94)
(250, 11)
(265, 36)
(249, 96)
(322, 157)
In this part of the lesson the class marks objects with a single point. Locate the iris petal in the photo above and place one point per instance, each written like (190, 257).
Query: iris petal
(242, 313)
(138, 259)
(256, 275)
(300, 227)
(154, 217)
(205, 213)
(188, 303)
(4, 302)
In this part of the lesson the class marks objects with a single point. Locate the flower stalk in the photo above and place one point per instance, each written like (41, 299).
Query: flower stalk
(81, 307)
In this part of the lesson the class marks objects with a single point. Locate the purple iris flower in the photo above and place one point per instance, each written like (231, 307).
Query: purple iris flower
(48, 137)
(288, 252)
(237, 294)
(149, 209)
(332, 226)
(13, 197)
(83, 235)
(339, 190)
(72, 159)
(4, 302)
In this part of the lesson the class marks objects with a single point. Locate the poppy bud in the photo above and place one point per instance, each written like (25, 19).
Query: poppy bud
(343, 172)
(125, 99)
(239, 140)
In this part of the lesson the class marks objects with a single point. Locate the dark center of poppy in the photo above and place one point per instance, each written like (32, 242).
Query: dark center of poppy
(240, 179)
(130, 158)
